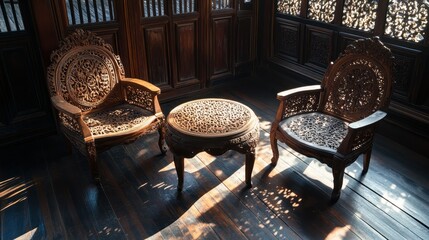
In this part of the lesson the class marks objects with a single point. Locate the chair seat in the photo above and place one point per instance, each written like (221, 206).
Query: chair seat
(316, 129)
(117, 120)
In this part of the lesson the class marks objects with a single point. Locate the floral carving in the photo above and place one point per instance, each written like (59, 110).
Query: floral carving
(300, 104)
(316, 128)
(360, 14)
(407, 19)
(117, 119)
(69, 122)
(140, 98)
(211, 116)
(289, 7)
(322, 10)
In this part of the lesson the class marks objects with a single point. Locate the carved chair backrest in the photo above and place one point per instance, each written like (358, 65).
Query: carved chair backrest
(359, 82)
(85, 71)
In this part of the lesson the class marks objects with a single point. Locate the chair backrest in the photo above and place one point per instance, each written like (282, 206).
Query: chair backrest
(85, 71)
(360, 81)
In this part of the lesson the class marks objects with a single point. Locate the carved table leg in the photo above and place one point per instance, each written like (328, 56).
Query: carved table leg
(250, 161)
(179, 163)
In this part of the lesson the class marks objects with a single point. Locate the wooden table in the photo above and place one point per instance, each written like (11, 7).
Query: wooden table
(215, 126)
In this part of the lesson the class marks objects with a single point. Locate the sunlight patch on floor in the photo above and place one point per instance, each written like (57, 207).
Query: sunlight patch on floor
(338, 233)
(27, 235)
(13, 191)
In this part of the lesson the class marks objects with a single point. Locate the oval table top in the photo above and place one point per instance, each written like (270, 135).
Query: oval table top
(212, 118)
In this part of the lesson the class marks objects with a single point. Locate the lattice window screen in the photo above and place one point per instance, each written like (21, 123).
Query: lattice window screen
(10, 16)
(407, 19)
(291, 7)
(360, 14)
(322, 10)
(89, 11)
(221, 4)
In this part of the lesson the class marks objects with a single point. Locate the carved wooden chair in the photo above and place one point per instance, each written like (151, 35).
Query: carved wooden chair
(334, 122)
(97, 107)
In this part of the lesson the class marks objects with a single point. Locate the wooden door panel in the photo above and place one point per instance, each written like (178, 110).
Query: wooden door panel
(187, 51)
(157, 55)
(244, 40)
(221, 58)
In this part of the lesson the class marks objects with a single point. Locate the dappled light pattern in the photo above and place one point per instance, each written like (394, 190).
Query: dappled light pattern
(13, 191)
(282, 200)
(360, 14)
(289, 7)
(407, 20)
(322, 10)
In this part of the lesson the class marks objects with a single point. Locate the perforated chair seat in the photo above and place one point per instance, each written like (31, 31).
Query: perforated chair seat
(316, 130)
(118, 120)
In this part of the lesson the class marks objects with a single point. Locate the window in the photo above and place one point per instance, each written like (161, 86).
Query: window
(360, 14)
(289, 7)
(407, 19)
(322, 10)
(89, 11)
(221, 4)
(10, 16)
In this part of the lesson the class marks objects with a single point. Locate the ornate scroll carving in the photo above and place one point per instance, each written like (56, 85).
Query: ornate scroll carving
(407, 19)
(116, 120)
(300, 104)
(292, 7)
(322, 10)
(360, 14)
(69, 122)
(318, 129)
(84, 69)
(211, 116)
(139, 97)
(359, 87)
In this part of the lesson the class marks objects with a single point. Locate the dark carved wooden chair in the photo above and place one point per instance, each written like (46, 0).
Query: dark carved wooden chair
(97, 107)
(335, 122)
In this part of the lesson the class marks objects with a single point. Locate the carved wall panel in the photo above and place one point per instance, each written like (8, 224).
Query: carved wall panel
(321, 10)
(157, 55)
(287, 40)
(407, 19)
(360, 14)
(291, 7)
(318, 47)
(187, 50)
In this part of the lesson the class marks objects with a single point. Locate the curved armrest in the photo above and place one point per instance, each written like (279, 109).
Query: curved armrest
(298, 100)
(71, 117)
(360, 133)
(62, 105)
(143, 94)
(312, 89)
(142, 84)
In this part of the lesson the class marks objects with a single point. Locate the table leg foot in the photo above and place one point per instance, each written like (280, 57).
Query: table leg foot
(250, 161)
(179, 163)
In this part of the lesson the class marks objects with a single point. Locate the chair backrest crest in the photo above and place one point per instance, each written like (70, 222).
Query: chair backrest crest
(360, 81)
(85, 71)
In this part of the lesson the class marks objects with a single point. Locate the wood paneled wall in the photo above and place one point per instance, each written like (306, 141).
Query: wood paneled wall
(296, 43)
(182, 46)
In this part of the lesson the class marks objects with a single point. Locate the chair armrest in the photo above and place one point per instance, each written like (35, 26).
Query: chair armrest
(141, 84)
(62, 105)
(360, 133)
(298, 100)
(70, 117)
(143, 94)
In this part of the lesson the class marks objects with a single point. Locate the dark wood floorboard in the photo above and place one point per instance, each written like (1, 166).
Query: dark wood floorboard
(46, 191)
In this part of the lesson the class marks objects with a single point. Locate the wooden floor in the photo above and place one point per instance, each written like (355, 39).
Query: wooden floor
(47, 193)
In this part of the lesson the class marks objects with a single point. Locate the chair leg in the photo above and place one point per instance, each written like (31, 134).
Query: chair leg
(338, 172)
(161, 141)
(366, 160)
(274, 148)
(92, 157)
